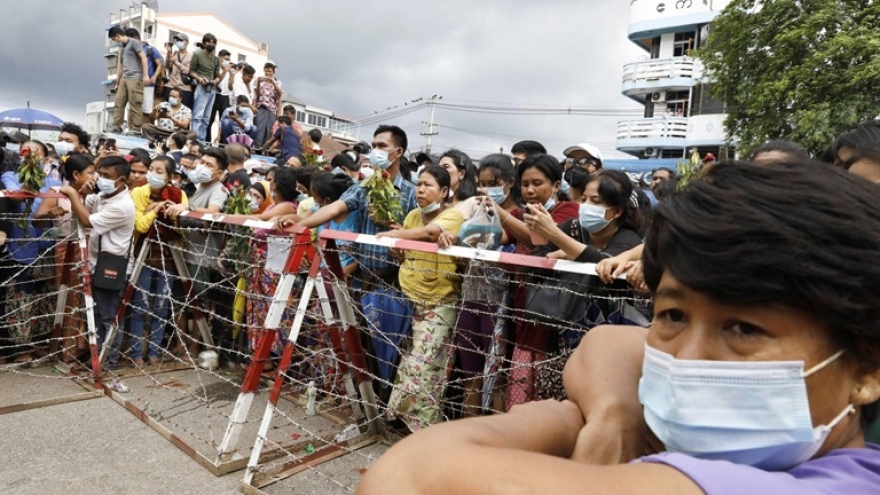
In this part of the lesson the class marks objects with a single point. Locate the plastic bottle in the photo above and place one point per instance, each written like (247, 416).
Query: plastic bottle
(311, 397)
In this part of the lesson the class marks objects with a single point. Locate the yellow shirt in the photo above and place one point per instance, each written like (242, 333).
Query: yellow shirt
(141, 197)
(426, 278)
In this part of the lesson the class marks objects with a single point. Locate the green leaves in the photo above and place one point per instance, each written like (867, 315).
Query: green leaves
(800, 70)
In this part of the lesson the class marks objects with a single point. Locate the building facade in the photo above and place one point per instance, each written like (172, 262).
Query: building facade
(340, 128)
(671, 84)
(158, 29)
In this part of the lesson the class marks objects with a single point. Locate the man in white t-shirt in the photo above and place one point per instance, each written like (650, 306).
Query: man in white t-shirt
(110, 215)
(241, 85)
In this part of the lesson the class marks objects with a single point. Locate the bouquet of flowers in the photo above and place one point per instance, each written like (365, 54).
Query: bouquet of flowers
(238, 249)
(312, 157)
(688, 170)
(32, 177)
(383, 197)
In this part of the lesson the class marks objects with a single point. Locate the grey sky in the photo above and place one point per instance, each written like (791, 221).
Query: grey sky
(358, 57)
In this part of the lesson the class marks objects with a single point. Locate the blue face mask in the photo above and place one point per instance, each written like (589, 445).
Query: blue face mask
(497, 194)
(106, 186)
(200, 174)
(746, 412)
(173, 101)
(592, 217)
(155, 181)
(565, 187)
(379, 158)
(180, 45)
(550, 204)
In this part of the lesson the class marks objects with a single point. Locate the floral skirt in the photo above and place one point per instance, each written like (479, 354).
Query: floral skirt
(261, 290)
(417, 398)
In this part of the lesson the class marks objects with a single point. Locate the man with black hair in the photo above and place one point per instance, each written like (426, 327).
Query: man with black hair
(858, 151)
(170, 117)
(221, 100)
(110, 215)
(177, 67)
(287, 139)
(524, 149)
(131, 78)
(139, 166)
(76, 139)
(240, 84)
(174, 146)
(236, 155)
(238, 119)
(155, 69)
(661, 174)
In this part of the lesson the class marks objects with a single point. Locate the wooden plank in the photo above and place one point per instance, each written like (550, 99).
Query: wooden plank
(50, 402)
(320, 456)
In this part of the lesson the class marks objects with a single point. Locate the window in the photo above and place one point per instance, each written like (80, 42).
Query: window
(683, 44)
(242, 58)
(677, 104)
(171, 35)
(300, 116)
(704, 103)
(317, 120)
(655, 47)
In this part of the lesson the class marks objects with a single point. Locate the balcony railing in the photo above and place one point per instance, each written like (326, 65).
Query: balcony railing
(658, 131)
(657, 69)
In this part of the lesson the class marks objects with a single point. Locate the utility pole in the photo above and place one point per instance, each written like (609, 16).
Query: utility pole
(432, 127)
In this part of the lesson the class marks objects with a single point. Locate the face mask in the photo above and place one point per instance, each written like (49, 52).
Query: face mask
(209, 48)
(185, 150)
(497, 194)
(173, 101)
(746, 412)
(63, 148)
(550, 204)
(155, 181)
(106, 186)
(175, 183)
(592, 217)
(379, 158)
(431, 208)
(255, 205)
(564, 186)
(201, 174)
(179, 44)
(224, 63)
(302, 197)
(12, 147)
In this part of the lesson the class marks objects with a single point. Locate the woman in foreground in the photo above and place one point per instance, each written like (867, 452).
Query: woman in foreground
(759, 371)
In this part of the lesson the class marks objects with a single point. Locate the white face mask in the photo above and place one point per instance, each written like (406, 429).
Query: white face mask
(106, 186)
(747, 412)
(63, 148)
(592, 217)
(431, 208)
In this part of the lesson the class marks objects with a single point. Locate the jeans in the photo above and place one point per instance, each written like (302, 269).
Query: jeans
(228, 127)
(203, 103)
(153, 301)
(221, 103)
(106, 304)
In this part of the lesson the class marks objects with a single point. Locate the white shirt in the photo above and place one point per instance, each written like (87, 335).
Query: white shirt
(112, 222)
(224, 84)
(240, 88)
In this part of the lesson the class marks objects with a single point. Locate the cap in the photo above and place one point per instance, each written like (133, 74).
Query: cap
(181, 36)
(709, 157)
(273, 64)
(262, 170)
(17, 137)
(587, 148)
(421, 157)
(251, 164)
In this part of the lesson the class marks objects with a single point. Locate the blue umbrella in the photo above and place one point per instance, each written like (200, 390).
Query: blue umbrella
(389, 318)
(30, 119)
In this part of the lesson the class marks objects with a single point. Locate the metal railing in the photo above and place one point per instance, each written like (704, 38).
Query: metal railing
(656, 69)
(654, 128)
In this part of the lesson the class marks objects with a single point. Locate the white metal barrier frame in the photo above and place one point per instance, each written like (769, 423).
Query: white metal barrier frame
(370, 428)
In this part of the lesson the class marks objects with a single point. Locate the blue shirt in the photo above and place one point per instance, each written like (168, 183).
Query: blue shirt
(25, 246)
(290, 145)
(373, 258)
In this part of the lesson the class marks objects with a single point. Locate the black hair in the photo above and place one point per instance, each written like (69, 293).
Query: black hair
(501, 166)
(118, 164)
(274, 169)
(344, 160)
(805, 224)
(289, 109)
(141, 156)
(236, 153)
(133, 33)
(304, 175)
(439, 173)
(260, 189)
(249, 69)
(206, 38)
(665, 189)
(79, 132)
(179, 139)
(315, 135)
(546, 164)
(793, 151)
(397, 135)
(285, 184)
(663, 169)
(274, 67)
(219, 155)
(616, 191)
(242, 99)
(529, 148)
(189, 156)
(284, 119)
(864, 140)
(115, 31)
(170, 165)
(467, 186)
(330, 186)
(75, 162)
(224, 52)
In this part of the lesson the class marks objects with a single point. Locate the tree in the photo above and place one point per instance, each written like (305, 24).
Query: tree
(802, 70)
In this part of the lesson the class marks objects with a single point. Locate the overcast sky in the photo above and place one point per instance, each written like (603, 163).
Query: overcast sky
(357, 57)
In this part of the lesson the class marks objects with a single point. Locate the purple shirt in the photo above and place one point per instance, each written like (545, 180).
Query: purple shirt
(841, 471)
